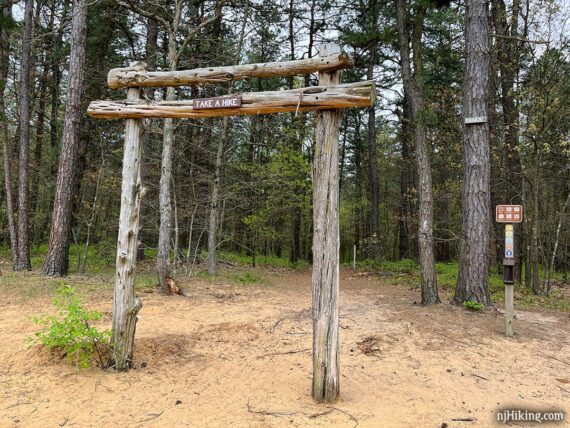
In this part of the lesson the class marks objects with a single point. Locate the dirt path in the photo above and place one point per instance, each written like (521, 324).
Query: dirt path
(240, 356)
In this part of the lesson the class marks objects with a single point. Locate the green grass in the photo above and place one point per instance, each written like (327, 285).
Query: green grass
(554, 301)
(246, 278)
(100, 270)
(407, 272)
(401, 266)
(100, 258)
(263, 261)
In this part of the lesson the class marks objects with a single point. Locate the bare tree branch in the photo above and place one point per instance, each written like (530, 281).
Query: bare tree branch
(128, 4)
(192, 34)
(521, 39)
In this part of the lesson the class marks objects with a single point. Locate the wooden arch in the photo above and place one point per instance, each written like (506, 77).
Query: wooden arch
(326, 99)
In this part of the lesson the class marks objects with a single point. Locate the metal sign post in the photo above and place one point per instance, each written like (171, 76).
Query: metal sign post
(509, 214)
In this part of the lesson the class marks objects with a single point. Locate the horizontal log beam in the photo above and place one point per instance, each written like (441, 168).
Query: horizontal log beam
(136, 75)
(359, 94)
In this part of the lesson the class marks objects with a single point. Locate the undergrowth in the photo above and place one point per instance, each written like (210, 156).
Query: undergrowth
(69, 330)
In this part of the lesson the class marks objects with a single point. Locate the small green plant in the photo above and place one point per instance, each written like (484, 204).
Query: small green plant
(249, 278)
(69, 330)
(473, 306)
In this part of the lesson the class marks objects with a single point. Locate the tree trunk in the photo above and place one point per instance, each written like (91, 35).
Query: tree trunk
(326, 248)
(472, 282)
(425, 234)
(295, 234)
(23, 261)
(39, 223)
(213, 229)
(162, 257)
(413, 92)
(533, 247)
(38, 150)
(162, 263)
(405, 173)
(151, 53)
(92, 217)
(125, 303)
(508, 47)
(297, 145)
(6, 16)
(373, 167)
(357, 216)
(214, 215)
(58, 248)
(547, 285)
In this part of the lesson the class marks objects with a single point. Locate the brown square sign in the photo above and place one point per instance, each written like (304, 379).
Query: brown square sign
(509, 214)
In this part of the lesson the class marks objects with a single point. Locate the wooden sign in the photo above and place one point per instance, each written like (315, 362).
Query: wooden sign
(509, 214)
(347, 95)
(218, 102)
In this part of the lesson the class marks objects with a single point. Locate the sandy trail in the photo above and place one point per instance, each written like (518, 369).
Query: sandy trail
(239, 355)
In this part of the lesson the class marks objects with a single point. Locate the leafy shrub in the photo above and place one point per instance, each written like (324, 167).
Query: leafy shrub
(69, 330)
(473, 306)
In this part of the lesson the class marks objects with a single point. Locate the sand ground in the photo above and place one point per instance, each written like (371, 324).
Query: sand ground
(239, 355)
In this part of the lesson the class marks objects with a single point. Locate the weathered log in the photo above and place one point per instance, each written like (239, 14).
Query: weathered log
(125, 303)
(326, 241)
(136, 75)
(359, 94)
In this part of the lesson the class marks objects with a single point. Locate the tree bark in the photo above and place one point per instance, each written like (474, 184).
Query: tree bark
(151, 57)
(23, 261)
(58, 248)
(38, 149)
(373, 166)
(6, 11)
(472, 282)
(162, 257)
(534, 247)
(406, 249)
(325, 281)
(212, 261)
(125, 303)
(414, 92)
(547, 285)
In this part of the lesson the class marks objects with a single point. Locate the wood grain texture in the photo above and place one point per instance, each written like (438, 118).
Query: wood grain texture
(137, 75)
(125, 303)
(325, 281)
(414, 95)
(359, 94)
(509, 310)
(57, 259)
(473, 276)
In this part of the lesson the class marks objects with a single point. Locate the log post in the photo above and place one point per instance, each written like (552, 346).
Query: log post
(326, 246)
(125, 303)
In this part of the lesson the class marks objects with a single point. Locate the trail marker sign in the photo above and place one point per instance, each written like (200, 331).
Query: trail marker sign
(509, 214)
(217, 102)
